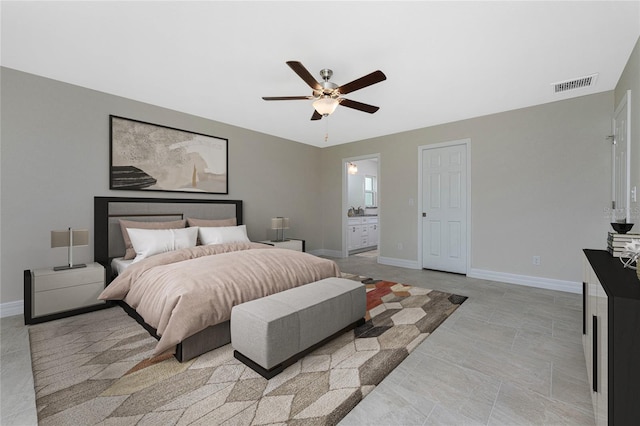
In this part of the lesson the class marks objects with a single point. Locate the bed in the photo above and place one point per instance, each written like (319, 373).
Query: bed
(232, 272)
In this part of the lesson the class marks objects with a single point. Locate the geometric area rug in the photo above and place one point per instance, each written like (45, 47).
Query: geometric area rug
(95, 369)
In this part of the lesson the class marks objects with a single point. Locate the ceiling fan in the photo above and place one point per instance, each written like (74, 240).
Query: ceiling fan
(328, 95)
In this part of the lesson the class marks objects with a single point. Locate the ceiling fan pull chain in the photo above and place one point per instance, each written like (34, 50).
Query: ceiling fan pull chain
(326, 135)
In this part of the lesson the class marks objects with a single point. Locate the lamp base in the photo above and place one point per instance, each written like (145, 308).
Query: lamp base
(65, 267)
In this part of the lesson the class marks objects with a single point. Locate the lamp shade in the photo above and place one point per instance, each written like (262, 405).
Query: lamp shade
(280, 223)
(325, 105)
(70, 237)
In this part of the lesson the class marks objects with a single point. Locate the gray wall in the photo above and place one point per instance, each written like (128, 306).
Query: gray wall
(539, 177)
(630, 80)
(539, 180)
(55, 159)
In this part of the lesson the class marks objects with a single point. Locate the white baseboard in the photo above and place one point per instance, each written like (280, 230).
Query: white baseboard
(402, 263)
(10, 309)
(538, 282)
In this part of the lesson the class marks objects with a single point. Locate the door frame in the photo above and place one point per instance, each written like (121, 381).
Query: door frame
(345, 199)
(624, 102)
(467, 143)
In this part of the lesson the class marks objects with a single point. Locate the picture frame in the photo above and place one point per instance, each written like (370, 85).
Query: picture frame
(152, 157)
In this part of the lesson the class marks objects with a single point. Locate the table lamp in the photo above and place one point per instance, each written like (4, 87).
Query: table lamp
(279, 223)
(70, 238)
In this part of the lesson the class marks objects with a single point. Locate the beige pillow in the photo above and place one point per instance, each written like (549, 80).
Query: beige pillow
(130, 253)
(212, 222)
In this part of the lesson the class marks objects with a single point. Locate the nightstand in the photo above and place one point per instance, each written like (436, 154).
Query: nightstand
(291, 244)
(50, 294)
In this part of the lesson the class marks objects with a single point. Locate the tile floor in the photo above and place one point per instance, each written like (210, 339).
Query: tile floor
(510, 355)
(17, 397)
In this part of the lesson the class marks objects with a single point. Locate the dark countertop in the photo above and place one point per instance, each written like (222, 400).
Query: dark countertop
(616, 280)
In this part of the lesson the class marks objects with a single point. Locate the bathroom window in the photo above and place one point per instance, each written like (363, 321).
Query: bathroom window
(370, 189)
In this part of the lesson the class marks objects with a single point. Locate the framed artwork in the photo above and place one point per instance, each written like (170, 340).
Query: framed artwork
(151, 157)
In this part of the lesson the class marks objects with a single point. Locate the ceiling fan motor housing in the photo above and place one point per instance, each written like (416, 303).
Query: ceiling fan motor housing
(328, 89)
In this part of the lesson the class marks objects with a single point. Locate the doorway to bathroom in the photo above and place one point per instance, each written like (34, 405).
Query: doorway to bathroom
(361, 206)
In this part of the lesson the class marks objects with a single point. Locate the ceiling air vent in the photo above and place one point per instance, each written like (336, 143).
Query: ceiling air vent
(576, 83)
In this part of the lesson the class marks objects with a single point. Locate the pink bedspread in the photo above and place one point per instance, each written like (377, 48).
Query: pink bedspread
(185, 291)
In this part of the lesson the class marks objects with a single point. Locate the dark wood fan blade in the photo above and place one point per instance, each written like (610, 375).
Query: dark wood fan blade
(359, 106)
(316, 115)
(302, 72)
(286, 98)
(367, 80)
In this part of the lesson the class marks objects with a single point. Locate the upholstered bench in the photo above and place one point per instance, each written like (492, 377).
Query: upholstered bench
(273, 332)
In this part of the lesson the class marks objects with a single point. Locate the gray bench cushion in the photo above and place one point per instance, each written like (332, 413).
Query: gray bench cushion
(272, 329)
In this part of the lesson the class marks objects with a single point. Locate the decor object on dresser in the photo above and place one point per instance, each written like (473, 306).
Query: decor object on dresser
(616, 242)
(70, 238)
(279, 224)
(630, 254)
(611, 337)
(151, 157)
(51, 294)
(622, 227)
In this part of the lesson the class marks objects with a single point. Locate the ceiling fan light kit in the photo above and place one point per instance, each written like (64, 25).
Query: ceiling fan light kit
(325, 105)
(328, 95)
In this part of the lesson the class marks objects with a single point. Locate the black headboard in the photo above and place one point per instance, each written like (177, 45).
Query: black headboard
(107, 211)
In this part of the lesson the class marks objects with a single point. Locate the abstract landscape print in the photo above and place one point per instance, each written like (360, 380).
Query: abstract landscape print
(152, 157)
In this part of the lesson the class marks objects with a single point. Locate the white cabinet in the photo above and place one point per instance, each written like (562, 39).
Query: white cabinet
(586, 317)
(373, 234)
(53, 294)
(602, 395)
(354, 234)
(362, 232)
(595, 342)
(611, 329)
(364, 235)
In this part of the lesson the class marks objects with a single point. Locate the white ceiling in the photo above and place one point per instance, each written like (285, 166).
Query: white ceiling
(444, 61)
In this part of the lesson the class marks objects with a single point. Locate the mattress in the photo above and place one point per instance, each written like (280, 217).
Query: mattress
(118, 265)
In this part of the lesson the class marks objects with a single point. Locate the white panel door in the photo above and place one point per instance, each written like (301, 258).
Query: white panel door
(444, 209)
(621, 160)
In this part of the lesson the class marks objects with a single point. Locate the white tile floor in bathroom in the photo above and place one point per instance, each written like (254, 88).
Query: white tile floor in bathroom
(510, 355)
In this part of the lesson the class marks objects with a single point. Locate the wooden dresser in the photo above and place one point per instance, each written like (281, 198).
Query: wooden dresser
(611, 337)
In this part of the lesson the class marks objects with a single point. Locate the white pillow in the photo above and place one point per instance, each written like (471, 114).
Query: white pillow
(223, 234)
(147, 242)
